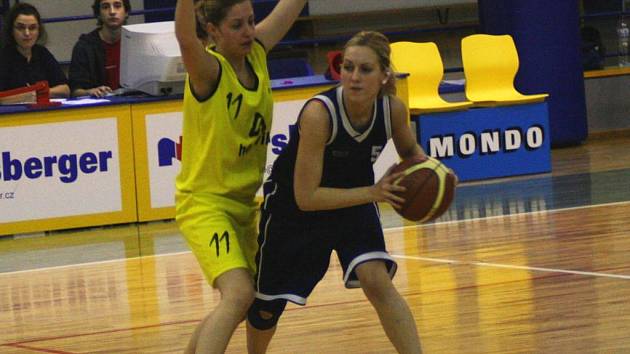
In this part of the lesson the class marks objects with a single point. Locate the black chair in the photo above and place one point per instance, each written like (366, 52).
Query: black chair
(282, 68)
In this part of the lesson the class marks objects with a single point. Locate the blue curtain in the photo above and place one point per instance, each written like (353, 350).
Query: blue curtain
(159, 4)
(547, 37)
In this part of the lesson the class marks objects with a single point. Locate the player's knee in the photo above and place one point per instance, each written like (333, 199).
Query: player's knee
(237, 289)
(375, 290)
(243, 300)
(239, 300)
(264, 315)
(375, 282)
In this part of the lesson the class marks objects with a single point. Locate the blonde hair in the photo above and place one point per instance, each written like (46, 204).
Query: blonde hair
(380, 45)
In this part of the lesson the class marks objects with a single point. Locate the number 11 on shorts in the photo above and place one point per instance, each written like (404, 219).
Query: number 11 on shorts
(216, 240)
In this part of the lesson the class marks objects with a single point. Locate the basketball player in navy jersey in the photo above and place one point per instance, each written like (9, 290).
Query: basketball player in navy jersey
(321, 197)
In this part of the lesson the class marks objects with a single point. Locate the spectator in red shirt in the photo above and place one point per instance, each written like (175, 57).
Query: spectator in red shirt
(95, 65)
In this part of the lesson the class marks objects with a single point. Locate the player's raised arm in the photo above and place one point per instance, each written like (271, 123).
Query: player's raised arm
(202, 68)
(271, 30)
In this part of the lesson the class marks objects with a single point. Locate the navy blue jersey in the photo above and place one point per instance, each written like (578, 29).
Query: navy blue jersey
(295, 246)
(349, 154)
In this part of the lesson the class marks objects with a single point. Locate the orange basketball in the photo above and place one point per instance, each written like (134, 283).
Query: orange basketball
(430, 188)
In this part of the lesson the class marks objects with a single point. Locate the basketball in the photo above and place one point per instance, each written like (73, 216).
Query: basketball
(430, 188)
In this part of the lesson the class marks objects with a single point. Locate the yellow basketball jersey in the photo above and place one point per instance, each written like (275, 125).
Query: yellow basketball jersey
(225, 137)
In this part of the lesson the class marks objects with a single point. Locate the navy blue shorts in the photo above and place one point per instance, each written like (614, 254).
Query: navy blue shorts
(295, 247)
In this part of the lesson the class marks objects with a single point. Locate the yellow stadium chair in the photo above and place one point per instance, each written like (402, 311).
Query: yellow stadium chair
(490, 66)
(424, 64)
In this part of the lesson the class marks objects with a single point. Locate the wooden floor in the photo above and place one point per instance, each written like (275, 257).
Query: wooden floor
(537, 264)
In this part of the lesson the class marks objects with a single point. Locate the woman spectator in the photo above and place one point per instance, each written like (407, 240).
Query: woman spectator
(23, 59)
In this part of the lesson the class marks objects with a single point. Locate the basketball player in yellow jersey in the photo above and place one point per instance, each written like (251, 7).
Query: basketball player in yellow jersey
(227, 118)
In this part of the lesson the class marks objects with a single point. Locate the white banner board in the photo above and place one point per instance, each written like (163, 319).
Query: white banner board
(164, 132)
(74, 169)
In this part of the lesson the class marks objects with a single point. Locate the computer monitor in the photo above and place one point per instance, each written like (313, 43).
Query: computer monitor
(150, 59)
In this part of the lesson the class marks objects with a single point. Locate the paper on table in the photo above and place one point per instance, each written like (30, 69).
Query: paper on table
(84, 101)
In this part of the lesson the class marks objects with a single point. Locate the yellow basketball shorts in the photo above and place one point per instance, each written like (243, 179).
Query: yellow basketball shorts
(221, 232)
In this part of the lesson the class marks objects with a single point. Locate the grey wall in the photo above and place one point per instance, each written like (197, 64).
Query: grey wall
(327, 7)
(607, 103)
(63, 35)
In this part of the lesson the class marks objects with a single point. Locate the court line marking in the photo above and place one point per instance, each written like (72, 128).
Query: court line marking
(391, 229)
(511, 266)
(93, 263)
(21, 344)
(97, 333)
(549, 211)
(41, 350)
(294, 307)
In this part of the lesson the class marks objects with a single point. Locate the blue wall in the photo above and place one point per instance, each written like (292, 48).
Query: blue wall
(159, 4)
(547, 36)
(261, 9)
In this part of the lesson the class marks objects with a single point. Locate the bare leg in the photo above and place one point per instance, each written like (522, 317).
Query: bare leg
(213, 334)
(192, 343)
(395, 316)
(258, 340)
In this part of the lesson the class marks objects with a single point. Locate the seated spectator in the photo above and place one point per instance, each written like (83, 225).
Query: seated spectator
(593, 51)
(95, 65)
(23, 59)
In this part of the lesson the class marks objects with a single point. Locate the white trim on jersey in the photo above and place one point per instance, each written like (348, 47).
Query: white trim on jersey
(291, 297)
(265, 231)
(262, 247)
(378, 212)
(275, 190)
(370, 256)
(333, 116)
(387, 116)
(359, 137)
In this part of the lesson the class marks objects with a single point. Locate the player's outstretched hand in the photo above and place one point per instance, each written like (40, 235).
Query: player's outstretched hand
(384, 190)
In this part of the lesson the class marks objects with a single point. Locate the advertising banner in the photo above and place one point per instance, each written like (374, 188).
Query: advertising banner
(71, 163)
(483, 143)
(164, 156)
